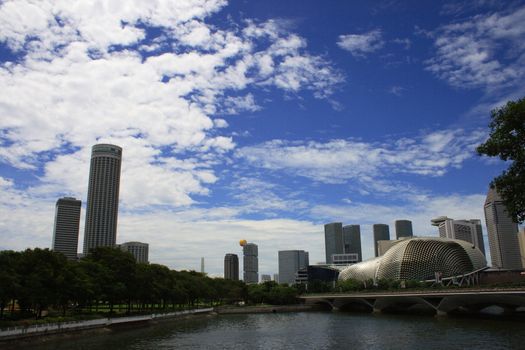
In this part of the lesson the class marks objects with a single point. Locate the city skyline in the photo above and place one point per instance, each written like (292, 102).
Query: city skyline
(256, 120)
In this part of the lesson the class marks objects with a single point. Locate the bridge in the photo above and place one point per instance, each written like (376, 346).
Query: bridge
(440, 302)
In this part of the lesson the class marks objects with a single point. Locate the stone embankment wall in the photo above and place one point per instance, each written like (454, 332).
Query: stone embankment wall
(263, 309)
(52, 328)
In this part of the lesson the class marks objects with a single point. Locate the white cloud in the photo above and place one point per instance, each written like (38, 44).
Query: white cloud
(83, 77)
(396, 90)
(359, 45)
(264, 198)
(336, 161)
(407, 43)
(485, 51)
(239, 104)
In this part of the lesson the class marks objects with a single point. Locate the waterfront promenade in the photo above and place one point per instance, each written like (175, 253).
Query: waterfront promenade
(63, 327)
(441, 302)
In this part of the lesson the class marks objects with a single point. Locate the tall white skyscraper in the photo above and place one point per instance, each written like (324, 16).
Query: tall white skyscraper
(502, 232)
(103, 195)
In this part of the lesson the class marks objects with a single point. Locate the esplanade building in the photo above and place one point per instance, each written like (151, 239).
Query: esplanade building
(421, 259)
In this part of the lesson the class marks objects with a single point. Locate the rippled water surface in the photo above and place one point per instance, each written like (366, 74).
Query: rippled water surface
(314, 330)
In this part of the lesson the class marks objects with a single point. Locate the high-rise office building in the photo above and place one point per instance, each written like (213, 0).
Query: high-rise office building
(291, 261)
(65, 232)
(479, 233)
(333, 240)
(466, 230)
(231, 267)
(503, 233)
(352, 240)
(140, 251)
(250, 263)
(276, 277)
(381, 233)
(103, 194)
(403, 228)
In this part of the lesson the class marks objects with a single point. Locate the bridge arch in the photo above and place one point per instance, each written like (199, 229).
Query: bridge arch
(478, 302)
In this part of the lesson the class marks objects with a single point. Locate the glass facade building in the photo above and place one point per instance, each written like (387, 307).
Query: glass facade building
(291, 261)
(65, 232)
(231, 267)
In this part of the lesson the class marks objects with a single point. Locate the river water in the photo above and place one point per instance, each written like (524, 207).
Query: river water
(308, 330)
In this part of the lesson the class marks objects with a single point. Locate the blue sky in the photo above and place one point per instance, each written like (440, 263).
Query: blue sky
(257, 120)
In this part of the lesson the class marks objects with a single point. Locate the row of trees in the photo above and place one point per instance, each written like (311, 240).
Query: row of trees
(39, 279)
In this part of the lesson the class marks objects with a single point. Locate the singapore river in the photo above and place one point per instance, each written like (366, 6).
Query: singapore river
(309, 330)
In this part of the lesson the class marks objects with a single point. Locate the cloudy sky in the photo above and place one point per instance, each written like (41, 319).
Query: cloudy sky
(257, 120)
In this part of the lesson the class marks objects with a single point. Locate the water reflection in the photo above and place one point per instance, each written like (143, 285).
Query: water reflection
(319, 330)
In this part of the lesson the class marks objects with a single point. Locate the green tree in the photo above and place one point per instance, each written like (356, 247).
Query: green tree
(507, 141)
(116, 278)
(9, 278)
(40, 270)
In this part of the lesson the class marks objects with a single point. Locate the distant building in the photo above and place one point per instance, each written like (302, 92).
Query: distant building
(352, 240)
(291, 261)
(251, 263)
(384, 246)
(317, 273)
(521, 240)
(266, 278)
(103, 195)
(202, 265)
(65, 232)
(403, 228)
(466, 230)
(333, 240)
(381, 233)
(345, 259)
(139, 250)
(276, 277)
(502, 232)
(231, 267)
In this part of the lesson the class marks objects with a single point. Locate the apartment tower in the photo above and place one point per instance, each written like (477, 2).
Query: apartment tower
(139, 250)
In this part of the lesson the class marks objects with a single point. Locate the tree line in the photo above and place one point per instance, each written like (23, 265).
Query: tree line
(35, 280)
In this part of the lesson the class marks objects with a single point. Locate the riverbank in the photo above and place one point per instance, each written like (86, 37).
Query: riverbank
(17, 333)
(263, 309)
